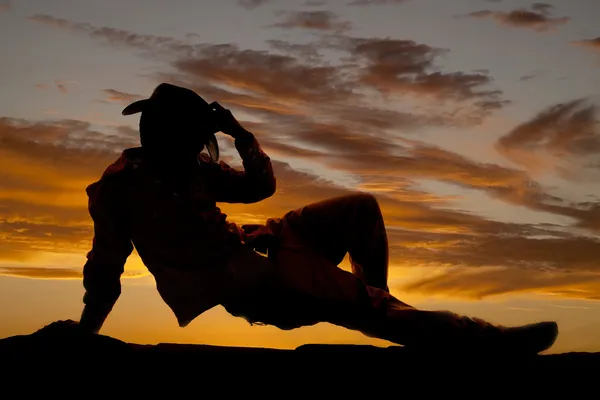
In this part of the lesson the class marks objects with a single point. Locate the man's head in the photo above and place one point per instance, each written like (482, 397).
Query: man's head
(175, 123)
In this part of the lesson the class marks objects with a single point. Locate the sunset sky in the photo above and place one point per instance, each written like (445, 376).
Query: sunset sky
(474, 122)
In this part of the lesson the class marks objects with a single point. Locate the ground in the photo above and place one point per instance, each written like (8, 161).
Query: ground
(56, 349)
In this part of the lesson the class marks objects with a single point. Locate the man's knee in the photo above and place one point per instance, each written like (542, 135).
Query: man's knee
(366, 201)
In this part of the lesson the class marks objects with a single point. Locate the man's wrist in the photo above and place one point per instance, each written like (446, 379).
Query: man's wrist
(92, 318)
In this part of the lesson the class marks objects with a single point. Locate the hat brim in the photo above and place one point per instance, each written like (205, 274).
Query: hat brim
(135, 107)
(213, 147)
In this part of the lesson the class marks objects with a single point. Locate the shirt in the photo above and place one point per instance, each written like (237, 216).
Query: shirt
(183, 238)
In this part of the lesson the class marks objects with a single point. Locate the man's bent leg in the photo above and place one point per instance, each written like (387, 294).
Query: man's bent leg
(350, 224)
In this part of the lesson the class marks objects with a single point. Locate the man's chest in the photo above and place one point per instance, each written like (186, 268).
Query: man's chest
(160, 205)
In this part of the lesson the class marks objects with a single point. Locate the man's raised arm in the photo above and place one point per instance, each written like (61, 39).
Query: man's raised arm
(257, 181)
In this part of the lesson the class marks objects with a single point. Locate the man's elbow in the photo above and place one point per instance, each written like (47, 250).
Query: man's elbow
(269, 189)
(260, 192)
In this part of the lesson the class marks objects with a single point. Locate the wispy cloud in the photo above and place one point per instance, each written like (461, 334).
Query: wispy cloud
(252, 4)
(319, 20)
(120, 97)
(479, 283)
(61, 86)
(538, 18)
(54, 273)
(375, 2)
(593, 44)
(559, 138)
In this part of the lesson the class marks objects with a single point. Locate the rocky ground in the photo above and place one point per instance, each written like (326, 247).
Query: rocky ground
(58, 347)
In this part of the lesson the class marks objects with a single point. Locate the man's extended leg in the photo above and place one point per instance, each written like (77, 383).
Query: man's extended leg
(310, 287)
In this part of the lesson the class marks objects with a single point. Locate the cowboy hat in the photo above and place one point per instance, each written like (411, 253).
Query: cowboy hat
(168, 96)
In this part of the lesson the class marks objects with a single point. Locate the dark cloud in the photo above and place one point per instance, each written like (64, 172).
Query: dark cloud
(320, 20)
(527, 77)
(61, 86)
(564, 132)
(266, 74)
(538, 19)
(543, 8)
(251, 4)
(407, 67)
(375, 2)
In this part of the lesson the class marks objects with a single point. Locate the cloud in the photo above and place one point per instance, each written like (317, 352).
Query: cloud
(405, 67)
(315, 3)
(54, 273)
(480, 283)
(46, 166)
(375, 2)
(61, 86)
(307, 52)
(319, 20)
(532, 75)
(5, 6)
(251, 4)
(543, 8)
(120, 97)
(394, 67)
(537, 19)
(593, 44)
(558, 138)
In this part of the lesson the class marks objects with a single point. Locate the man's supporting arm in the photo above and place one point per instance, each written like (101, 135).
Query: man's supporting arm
(106, 260)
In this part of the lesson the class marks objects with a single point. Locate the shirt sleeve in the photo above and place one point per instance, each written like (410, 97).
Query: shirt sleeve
(110, 249)
(255, 183)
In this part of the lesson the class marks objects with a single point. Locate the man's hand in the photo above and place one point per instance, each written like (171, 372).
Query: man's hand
(227, 123)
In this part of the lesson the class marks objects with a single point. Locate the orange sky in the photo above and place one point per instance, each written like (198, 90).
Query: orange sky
(474, 123)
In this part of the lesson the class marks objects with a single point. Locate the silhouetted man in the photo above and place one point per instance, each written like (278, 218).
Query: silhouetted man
(161, 198)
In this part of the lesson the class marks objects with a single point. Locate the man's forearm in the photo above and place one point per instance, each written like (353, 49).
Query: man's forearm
(101, 294)
(257, 163)
(93, 317)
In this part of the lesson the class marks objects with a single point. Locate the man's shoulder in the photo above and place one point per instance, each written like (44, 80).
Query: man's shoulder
(118, 172)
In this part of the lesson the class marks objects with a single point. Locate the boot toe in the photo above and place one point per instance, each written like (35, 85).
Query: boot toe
(533, 338)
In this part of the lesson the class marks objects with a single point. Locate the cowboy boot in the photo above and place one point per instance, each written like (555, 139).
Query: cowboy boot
(446, 332)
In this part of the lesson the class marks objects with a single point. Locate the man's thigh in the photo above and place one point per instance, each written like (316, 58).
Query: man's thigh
(304, 289)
